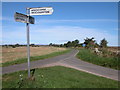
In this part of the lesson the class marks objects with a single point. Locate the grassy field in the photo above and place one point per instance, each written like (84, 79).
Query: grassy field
(57, 77)
(11, 54)
(56, 52)
(52, 51)
(86, 55)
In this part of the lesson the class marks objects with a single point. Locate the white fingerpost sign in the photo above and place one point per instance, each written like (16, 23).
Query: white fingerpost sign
(41, 11)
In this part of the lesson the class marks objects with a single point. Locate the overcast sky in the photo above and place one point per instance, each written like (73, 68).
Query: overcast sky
(68, 22)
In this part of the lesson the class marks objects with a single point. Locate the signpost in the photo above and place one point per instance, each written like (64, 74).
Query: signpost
(41, 11)
(23, 18)
(30, 20)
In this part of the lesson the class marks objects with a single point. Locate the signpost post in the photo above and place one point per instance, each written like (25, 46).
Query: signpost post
(30, 20)
(28, 43)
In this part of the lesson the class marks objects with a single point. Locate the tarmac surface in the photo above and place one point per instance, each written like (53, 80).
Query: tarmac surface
(66, 60)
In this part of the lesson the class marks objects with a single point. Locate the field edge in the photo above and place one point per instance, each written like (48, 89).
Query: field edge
(34, 58)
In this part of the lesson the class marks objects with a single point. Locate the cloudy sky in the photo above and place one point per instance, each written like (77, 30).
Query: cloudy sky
(68, 22)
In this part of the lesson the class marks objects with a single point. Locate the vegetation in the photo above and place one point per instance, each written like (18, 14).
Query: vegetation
(95, 53)
(20, 45)
(34, 58)
(88, 42)
(102, 60)
(99, 54)
(56, 77)
(103, 43)
(74, 43)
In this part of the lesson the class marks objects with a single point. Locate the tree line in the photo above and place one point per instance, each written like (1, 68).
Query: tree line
(20, 45)
(88, 43)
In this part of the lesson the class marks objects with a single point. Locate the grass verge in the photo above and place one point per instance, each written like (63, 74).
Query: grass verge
(57, 77)
(110, 62)
(34, 58)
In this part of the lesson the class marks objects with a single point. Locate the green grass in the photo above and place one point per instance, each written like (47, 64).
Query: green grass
(34, 58)
(86, 55)
(57, 77)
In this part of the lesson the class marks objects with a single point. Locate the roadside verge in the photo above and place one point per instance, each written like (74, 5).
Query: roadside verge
(34, 58)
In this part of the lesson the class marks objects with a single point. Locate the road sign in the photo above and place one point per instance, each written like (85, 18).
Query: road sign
(23, 18)
(31, 20)
(41, 11)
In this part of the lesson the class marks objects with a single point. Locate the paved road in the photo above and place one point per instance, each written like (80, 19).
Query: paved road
(67, 60)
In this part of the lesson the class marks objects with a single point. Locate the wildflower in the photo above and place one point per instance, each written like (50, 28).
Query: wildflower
(21, 77)
(42, 76)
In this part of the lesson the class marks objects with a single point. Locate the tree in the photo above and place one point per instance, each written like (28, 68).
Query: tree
(97, 45)
(17, 45)
(76, 43)
(32, 45)
(73, 44)
(68, 44)
(50, 44)
(89, 42)
(103, 43)
(61, 45)
(65, 45)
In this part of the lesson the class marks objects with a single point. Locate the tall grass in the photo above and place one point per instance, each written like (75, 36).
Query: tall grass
(87, 55)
